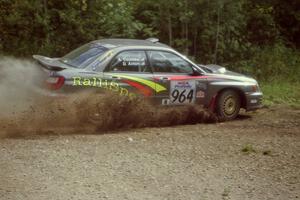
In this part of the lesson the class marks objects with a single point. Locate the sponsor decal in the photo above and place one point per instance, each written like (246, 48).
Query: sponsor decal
(155, 86)
(200, 94)
(145, 86)
(133, 61)
(165, 101)
(100, 83)
(144, 90)
(183, 77)
(182, 91)
(182, 84)
(201, 85)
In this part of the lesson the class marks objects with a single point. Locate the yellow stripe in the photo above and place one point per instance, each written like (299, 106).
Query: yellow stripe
(153, 85)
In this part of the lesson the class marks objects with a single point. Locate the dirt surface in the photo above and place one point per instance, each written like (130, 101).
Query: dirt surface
(254, 157)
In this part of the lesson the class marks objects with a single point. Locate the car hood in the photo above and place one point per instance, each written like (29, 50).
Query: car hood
(222, 72)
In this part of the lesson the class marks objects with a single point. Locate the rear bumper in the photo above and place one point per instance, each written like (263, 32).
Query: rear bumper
(254, 101)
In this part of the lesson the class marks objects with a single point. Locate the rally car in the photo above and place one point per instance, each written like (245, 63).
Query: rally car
(154, 70)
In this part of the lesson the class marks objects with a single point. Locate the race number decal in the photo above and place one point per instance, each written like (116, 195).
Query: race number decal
(182, 92)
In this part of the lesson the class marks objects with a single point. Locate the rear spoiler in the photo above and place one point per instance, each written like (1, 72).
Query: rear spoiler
(52, 64)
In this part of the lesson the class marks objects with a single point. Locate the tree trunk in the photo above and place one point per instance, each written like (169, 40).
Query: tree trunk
(45, 6)
(186, 29)
(195, 41)
(217, 35)
(46, 23)
(170, 31)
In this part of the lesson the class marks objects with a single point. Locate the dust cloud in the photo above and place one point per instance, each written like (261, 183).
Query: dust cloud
(19, 81)
(111, 111)
(27, 111)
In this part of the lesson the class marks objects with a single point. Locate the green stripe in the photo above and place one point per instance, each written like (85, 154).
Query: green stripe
(153, 85)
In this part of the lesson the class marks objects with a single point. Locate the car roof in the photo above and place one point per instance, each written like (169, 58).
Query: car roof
(115, 42)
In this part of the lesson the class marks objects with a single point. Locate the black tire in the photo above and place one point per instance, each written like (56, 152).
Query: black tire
(228, 105)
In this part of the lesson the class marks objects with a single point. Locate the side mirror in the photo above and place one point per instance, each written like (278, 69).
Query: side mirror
(196, 72)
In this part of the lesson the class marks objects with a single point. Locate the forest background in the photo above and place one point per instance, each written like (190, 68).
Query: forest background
(260, 38)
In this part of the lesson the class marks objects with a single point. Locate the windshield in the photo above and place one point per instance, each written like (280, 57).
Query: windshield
(84, 55)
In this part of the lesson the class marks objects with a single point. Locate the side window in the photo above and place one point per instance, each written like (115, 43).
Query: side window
(130, 61)
(166, 62)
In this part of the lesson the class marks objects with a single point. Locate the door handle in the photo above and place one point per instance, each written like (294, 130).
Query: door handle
(115, 77)
(164, 78)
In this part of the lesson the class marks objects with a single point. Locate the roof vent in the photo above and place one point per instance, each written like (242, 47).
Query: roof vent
(153, 40)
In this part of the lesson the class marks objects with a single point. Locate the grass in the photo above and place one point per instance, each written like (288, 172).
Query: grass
(225, 193)
(267, 152)
(248, 149)
(281, 92)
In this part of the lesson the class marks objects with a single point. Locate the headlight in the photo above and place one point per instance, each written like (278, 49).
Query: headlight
(254, 88)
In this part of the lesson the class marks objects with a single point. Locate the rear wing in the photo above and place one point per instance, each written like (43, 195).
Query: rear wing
(52, 64)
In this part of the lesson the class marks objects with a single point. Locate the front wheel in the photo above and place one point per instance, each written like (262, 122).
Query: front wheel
(228, 105)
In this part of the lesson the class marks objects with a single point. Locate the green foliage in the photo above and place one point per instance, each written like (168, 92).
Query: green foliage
(260, 38)
(271, 63)
(281, 91)
(54, 27)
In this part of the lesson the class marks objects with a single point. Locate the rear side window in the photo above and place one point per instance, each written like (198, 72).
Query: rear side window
(165, 62)
(84, 55)
(129, 61)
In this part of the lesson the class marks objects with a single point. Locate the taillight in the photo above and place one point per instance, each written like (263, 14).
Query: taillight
(55, 82)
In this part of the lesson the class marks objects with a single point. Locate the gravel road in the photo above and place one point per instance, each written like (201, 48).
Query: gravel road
(254, 157)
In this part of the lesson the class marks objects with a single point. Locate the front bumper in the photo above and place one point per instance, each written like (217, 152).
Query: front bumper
(254, 101)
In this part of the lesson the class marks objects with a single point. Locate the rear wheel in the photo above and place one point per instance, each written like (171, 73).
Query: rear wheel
(228, 105)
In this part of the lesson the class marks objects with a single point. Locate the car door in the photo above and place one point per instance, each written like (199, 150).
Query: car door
(130, 73)
(178, 76)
